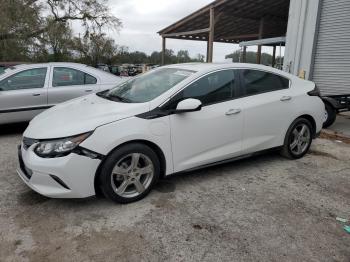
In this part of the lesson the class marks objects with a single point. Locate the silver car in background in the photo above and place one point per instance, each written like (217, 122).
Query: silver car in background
(27, 90)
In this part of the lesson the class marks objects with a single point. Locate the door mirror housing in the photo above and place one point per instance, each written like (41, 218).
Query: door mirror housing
(189, 105)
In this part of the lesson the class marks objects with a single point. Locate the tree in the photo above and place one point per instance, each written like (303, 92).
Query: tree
(183, 56)
(58, 39)
(199, 58)
(24, 23)
(266, 59)
(95, 48)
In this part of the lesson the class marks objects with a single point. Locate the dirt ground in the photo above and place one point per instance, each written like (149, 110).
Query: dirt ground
(264, 208)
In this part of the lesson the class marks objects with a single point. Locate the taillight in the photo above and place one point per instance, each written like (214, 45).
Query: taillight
(315, 92)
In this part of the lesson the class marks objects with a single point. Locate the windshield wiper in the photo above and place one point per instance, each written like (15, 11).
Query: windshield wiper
(114, 98)
(119, 98)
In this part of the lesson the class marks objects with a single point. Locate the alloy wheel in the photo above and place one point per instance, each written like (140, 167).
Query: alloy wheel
(132, 175)
(301, 138)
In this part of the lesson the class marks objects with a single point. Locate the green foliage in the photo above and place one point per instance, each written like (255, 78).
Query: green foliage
(251, 57)
(31, 28)
(39, 31)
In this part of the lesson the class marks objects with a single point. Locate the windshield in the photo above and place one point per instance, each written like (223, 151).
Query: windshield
(148, 86)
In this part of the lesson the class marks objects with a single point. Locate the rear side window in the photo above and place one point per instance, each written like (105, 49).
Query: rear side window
(257, 82)
(63, 76)
(213, 88)
(28, 79)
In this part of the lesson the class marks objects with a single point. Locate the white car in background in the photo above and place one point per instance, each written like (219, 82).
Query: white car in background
(27, 90)
(169, 120)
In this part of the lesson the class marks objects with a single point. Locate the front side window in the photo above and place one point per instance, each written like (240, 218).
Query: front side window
(28, 79)
(63, 76)
(257, 82)
(213, 88)
(148, 86)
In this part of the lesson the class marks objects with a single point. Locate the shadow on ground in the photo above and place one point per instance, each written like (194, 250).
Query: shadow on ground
(10, 129)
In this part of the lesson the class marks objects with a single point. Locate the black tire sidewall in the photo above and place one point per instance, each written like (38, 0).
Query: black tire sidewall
(288, 138)
(112, 160)
(332, 115)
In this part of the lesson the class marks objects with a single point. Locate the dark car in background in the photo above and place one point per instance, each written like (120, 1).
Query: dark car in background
(5, 65)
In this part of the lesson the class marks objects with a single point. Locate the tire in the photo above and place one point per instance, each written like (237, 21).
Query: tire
(331, 115)
(294, 142)
(129, 173)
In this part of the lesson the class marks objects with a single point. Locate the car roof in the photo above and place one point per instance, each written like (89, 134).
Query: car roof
(105, 77)
(208, 67)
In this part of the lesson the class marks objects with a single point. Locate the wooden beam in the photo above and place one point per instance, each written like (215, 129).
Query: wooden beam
(242, 36)
(274, 56)
(163, 50)
(198, 13)
(207, 59)
(261, 33)
(194, 32)
(244, 58)
(211, 36)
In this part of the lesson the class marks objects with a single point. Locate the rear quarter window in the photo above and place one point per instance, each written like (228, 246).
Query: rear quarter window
(257, 82)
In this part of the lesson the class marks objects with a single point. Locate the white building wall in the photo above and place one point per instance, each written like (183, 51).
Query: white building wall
(301, 36)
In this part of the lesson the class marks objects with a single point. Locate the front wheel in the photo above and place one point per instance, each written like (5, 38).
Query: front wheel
(298, 139)
(129, 173)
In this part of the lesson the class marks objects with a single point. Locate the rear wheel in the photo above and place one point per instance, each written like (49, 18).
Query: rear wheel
(129, 173)
(298, 139)
(330, 115)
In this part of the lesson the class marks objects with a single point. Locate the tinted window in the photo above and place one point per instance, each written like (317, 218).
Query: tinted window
(32, 78)
(214, 88)
(90, 80)
(256, 82)
(70, 77)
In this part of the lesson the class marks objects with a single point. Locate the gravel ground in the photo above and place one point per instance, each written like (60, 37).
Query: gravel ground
(264, 208)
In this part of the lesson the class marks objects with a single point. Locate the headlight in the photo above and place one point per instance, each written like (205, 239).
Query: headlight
(60, 147)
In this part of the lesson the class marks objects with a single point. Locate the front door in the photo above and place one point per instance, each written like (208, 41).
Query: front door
(23, 95)
(215, 132)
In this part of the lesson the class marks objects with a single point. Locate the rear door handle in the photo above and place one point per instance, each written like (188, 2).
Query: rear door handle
(286, 98)
(233, 112)
(36, 94)
(88, 90)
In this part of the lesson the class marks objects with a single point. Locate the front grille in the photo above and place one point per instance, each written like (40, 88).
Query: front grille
(28, 142)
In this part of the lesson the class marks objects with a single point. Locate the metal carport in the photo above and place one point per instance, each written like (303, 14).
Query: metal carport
(231, 21)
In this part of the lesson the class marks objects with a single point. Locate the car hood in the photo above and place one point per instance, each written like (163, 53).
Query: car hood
(80, 115)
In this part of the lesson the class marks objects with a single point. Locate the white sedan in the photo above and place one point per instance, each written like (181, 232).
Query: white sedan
(173, 119)
(27, 90)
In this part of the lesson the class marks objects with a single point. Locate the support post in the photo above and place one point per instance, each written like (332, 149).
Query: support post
(211, 36)
(163, 50)
(274, 56)
(244, 58)
(261, 32)
(208, 51)
(258, 55)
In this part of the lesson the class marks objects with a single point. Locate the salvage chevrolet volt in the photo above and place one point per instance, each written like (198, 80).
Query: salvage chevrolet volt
(176, 118)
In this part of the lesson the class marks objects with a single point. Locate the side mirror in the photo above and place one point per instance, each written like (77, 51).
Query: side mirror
(189, 105)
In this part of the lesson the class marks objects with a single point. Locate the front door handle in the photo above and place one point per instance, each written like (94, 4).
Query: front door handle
(88, 90)
(36, 94)
(286, 98)
(233, 112)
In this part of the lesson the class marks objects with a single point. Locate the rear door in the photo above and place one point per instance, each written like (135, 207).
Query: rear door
(268, 109)
(23, 95)
(68, 83)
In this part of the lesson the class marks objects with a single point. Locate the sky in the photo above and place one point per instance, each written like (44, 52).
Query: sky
(142, 19)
